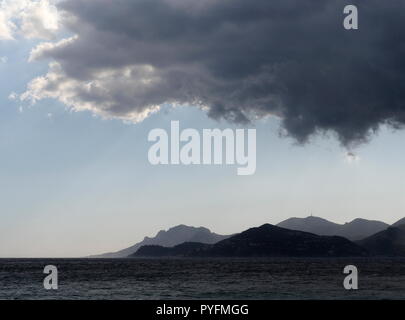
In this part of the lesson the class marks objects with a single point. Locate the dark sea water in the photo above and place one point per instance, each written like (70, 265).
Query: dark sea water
(202, 279)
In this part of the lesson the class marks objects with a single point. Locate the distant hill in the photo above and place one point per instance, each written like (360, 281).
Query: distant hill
(311, 224)
(390, 242)
(169, 238)
(354, 230)
(265, 241)
(182, 250)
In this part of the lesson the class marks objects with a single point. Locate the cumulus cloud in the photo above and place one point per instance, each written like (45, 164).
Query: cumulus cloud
(126, 93)
(240, 60)
(28, 18)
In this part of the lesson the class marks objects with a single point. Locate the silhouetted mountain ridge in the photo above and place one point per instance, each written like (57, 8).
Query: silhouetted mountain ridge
(172, 237)
(388, 242)
(265, 241)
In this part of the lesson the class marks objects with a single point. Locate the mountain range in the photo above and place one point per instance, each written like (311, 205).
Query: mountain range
(310, 236)
(354, 230)
(264, 241)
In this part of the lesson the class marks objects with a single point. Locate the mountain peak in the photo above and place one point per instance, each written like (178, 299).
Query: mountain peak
(362, 220)
(311, 217)
(183, 227)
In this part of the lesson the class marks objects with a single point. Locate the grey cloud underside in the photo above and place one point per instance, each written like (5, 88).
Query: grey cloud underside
(243, 60)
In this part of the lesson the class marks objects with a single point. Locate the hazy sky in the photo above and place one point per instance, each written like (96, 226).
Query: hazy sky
(73, 183)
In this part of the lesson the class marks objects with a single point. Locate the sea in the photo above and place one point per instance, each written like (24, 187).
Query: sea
(216, 279)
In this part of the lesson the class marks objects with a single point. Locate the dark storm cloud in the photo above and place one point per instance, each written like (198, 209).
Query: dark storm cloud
(240, 59)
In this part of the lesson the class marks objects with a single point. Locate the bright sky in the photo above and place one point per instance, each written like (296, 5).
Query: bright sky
(74, 184)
